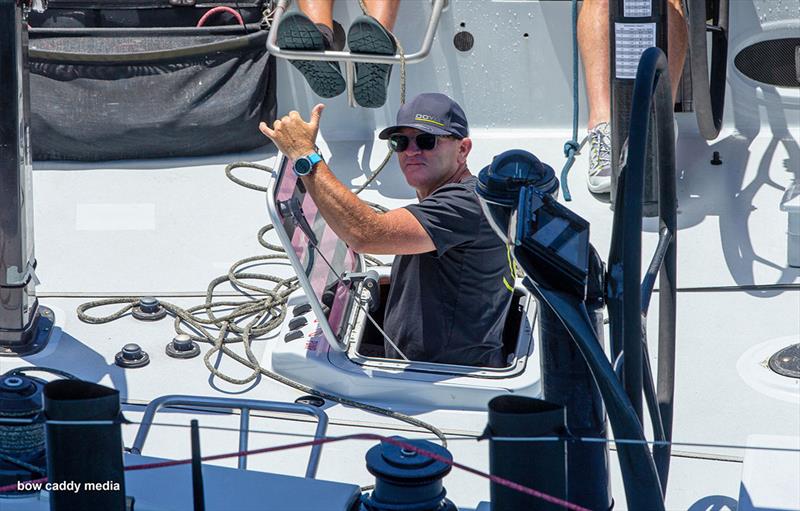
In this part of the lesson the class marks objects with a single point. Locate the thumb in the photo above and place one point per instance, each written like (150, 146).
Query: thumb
(316, 114)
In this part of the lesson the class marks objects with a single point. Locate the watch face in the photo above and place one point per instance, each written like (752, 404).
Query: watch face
(302, 166)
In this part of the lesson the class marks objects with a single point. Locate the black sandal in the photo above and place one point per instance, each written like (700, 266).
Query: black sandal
(297, 32)
(367, 35)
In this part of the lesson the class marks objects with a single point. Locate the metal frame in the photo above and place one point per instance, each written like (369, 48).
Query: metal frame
(302, 278)
(245, 405)
(351, 58)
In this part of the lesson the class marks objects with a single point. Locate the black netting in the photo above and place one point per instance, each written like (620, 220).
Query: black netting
(141, 13)
(118, 93)
(774, 62)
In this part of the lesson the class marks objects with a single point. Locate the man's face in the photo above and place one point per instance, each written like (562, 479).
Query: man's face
(426, 170)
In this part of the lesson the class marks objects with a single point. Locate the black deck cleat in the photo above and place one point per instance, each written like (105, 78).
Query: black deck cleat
(310, 400)
(303, 308)
(293, 336)
(298, 322)
(132, 356)
(149, 309)
(182, 346)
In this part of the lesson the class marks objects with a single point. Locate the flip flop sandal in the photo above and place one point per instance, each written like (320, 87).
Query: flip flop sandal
(367, 35)
(297, 32)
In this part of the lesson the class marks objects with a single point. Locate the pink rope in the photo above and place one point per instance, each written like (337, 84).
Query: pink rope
(221, 8)
(361, 436)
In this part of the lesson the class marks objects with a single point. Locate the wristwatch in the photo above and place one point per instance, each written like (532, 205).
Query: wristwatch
(305, 164)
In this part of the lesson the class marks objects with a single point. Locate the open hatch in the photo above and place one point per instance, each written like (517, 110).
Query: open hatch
(331, 275)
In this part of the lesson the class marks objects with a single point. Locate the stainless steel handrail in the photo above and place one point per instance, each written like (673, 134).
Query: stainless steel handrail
(346, 56)
(245, 405)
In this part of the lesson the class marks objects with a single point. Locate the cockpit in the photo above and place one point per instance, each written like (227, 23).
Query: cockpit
(347, 298)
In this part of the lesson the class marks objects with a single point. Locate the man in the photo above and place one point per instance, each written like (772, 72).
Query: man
(447, 300)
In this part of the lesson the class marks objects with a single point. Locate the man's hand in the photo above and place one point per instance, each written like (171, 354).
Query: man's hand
(292, 135)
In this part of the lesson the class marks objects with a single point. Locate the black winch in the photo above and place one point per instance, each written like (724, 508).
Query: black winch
(406, 480)
(21, 398)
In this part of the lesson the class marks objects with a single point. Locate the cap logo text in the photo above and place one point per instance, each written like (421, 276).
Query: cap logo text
(427, 118)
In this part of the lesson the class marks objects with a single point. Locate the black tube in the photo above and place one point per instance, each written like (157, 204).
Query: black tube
(642, 488)
(142, 31)
(85, 455)
(664, 242)
(667, 297)
(567, 380)
(539, 465)
(652, 401)
(616, 258)
(154, 57)
(197, 469)
(631, 278)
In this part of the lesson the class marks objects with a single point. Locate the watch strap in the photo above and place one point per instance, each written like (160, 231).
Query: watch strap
(314, 158)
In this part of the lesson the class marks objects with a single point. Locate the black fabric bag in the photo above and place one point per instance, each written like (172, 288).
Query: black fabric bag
(113, 82)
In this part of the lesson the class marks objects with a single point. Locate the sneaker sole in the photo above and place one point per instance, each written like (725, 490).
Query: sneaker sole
(368, 36)
(600, 188)
(296, 32)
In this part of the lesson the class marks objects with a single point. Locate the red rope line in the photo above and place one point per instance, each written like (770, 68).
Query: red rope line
(215, 10)
(359, 436)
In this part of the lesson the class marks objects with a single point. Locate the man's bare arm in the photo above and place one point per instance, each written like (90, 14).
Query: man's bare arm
(361, 227)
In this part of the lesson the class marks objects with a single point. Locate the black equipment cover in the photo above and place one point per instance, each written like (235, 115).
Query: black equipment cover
(122, 79)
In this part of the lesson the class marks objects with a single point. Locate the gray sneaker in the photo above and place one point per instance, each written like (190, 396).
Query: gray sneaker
(599, 175)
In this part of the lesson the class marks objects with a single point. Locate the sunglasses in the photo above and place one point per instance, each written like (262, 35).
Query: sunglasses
(425, 142)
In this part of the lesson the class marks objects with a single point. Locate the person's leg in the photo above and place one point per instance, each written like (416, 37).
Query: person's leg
(594, 46)
(593, 41)
(318, 11)
(677, 42)
(385, 11)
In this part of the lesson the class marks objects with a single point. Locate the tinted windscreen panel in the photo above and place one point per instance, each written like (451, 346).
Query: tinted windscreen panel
(323, 256)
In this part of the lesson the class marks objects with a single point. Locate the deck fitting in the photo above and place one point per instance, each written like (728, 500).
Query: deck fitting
(182, 346)
(132, 356)
(149, 309)
(786, 362)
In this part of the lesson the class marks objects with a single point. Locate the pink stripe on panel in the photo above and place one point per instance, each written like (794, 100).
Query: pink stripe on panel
(287, 185)
(337, 308)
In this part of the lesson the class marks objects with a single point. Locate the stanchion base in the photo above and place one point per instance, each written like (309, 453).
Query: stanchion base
(18, 343)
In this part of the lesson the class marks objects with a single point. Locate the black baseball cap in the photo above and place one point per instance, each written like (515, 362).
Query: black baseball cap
(433, 113)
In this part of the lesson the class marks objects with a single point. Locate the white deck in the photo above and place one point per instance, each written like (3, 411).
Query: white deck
(167, 227)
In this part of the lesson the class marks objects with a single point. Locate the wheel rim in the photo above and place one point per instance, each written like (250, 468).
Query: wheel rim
(708, 90)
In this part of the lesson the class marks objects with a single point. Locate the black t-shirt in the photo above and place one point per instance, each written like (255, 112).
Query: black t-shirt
(449, 305)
